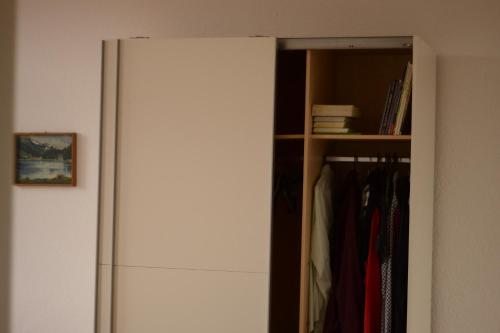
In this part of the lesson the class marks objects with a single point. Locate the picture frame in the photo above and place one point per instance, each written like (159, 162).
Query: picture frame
(45, 159)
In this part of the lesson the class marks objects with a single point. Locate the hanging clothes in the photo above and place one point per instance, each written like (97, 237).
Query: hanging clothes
(346, 314)
(372, 198)
(369, 255)
(320, 278)
(364, 223)
(400, 260)
(387, 263)
(373, 295)
(369, 220)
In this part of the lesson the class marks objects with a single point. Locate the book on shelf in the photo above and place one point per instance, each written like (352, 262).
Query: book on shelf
(385, 114)
(394, 108)
(397, 105)
(332, 124)
(331, 119)
(405, 98)
(335, 110)
(327, 130)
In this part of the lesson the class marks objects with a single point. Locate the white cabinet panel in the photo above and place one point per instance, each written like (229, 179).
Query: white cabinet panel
(107, 154)
(104, 296)
(422, 188)
(187, 301)
(194, 154)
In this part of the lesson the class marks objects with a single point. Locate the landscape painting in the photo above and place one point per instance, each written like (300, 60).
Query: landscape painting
(45, 159)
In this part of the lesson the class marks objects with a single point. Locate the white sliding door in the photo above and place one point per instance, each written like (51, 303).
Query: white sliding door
(193, 180)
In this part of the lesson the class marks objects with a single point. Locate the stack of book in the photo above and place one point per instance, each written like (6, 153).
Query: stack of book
(397, 104)
(333, 119)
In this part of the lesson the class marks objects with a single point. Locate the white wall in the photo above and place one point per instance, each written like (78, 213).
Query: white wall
(58, 80)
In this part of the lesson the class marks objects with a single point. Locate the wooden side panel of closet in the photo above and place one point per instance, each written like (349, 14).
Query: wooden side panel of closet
(314, 152)
(422, 188)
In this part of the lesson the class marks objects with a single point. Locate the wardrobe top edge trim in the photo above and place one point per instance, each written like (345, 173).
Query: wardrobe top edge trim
(315, 43)
(404, 42)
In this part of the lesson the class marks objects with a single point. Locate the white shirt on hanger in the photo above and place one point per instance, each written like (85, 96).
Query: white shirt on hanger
(320, 277)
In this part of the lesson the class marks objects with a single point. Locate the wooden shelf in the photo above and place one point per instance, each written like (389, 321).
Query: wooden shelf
(361, 137)
(289, 136)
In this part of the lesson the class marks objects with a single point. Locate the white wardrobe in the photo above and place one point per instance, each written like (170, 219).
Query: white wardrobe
(192, 130)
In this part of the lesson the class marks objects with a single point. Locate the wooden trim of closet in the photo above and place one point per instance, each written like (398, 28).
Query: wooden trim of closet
(306, 230)
(314, 151)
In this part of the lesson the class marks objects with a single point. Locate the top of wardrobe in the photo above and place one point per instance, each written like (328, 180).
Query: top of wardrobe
(405, 42)
(395, 42)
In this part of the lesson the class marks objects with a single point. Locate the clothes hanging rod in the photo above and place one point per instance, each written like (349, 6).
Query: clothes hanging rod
(364, 159)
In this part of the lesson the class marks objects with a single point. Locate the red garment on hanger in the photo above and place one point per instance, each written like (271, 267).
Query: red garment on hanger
(373, 293)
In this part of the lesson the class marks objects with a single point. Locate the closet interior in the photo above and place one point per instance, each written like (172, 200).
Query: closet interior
(359, 77)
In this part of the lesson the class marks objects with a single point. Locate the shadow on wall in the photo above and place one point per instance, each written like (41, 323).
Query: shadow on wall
(7, 9)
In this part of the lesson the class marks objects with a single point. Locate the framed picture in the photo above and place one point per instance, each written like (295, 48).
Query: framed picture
(45, 159)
